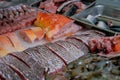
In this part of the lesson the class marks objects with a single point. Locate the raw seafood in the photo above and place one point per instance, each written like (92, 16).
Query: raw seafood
(32, 34)
(54, 6)
(87, 35)
(29, 64)
(6, 73)
(14, 41)
(79, 44)
(28, 35)
(9, 43)
(4, 49)
(116, 42)
(71, 7)
(68, 32)
(25, 72)
(47, 59)
(55, 25)
(48, 6)
(38, 32)
(65, 55)
(71, 48)
(92, 67)
(16, 17)
(105, 45)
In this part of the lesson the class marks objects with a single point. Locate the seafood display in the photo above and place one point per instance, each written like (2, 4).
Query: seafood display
(87, 35)
(93, 67)
(54, 6)
(53, 57)
(50, 27)
(12, 67)
(16, 17)
(55, 25)
(44, 40)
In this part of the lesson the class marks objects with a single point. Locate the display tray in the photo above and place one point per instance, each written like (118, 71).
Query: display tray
(66, 58)
(90, 26)
(91, 16)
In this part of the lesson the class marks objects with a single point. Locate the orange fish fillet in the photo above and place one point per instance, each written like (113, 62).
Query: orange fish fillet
(15, 41)
(5, 46)
(28, 35)
(51, 23)
(116, 46)
(38, 32)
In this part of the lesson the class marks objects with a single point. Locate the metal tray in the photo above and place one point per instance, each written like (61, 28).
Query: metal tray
(113, 3)
(98, 11)
(90, 26)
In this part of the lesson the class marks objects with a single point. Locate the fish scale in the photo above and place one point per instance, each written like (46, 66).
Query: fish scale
(78, 44)
(62, 52)
(23, 69)
(71, 48)
(53, 62)
(34, 65)
(7, 73)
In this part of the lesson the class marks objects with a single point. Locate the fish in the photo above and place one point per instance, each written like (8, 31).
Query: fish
(5, 46)
(52, 23)
(105, 46)
(32, 34)
(50, 58)
(16, 17)
(38, 32)
(28, 35)
(14, 41)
